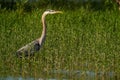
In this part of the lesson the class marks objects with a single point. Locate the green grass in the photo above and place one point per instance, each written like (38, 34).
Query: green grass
(76, 40)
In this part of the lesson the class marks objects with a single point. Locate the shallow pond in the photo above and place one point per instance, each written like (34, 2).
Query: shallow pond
(88, 75)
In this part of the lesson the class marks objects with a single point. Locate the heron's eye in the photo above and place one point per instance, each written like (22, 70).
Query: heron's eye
(51, 10)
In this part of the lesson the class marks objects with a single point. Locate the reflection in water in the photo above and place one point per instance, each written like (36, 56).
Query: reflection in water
(90, 75)
(20, 78)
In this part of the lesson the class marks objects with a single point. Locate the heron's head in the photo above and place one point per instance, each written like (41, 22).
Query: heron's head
(52, 12)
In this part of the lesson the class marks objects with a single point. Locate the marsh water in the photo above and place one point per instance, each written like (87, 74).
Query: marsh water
(90, 75)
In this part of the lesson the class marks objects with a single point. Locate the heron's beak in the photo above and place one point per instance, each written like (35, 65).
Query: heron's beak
(58, 12)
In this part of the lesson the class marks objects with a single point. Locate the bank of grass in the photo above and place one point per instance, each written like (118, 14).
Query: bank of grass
(80, 40)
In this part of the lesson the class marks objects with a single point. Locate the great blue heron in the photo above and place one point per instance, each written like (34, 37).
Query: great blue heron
(34, 46)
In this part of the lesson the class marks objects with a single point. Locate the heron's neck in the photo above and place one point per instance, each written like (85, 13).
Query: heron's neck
(43, 35)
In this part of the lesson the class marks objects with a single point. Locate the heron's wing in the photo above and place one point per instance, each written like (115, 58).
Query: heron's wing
(29, 49)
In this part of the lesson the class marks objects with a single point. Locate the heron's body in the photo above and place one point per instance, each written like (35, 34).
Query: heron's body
(35, 45)
(29, 49)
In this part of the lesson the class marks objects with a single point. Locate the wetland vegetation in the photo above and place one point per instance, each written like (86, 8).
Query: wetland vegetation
(77, 40)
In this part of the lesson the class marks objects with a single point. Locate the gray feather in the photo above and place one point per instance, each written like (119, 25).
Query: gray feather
(29, 49)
